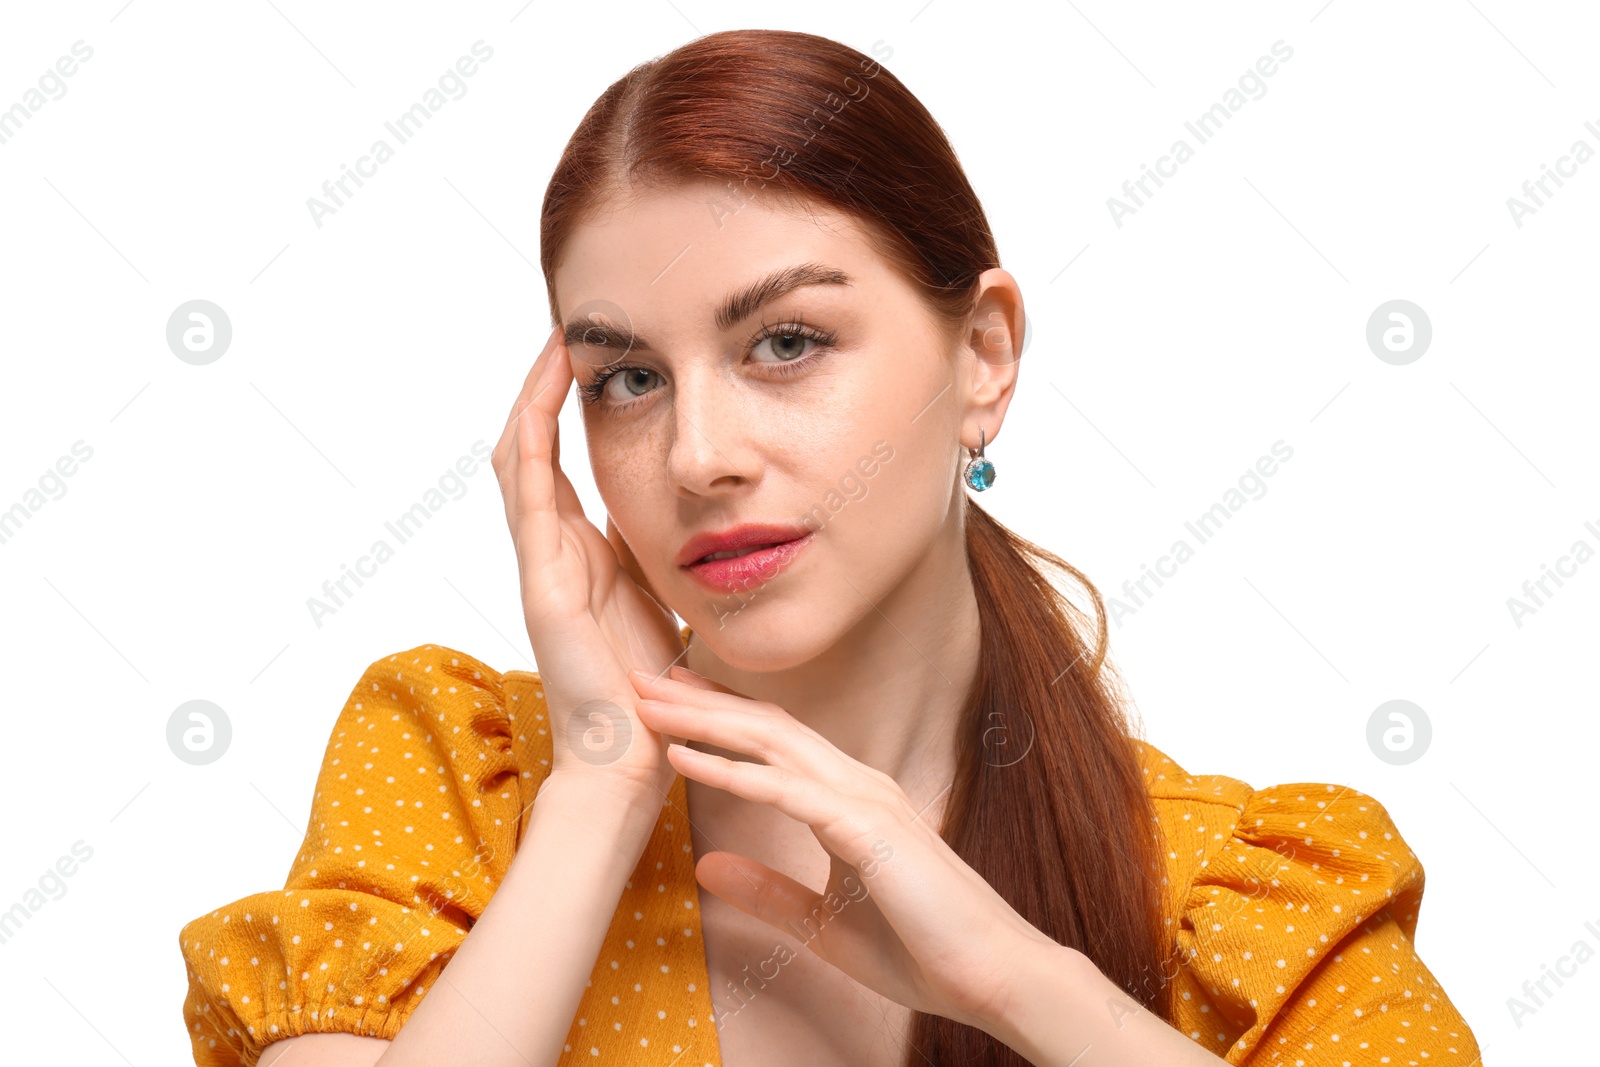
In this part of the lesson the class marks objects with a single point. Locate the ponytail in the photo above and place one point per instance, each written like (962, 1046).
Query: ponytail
(1049, 803)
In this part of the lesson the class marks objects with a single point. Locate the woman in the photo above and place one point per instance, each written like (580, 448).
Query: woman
(783, 311)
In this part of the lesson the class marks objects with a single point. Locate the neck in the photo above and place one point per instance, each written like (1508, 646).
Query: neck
(889, 693)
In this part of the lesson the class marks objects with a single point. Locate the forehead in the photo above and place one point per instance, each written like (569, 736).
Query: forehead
(676, 253)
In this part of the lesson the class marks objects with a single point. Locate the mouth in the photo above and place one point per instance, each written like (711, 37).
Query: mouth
(743, 557)
(736, 553)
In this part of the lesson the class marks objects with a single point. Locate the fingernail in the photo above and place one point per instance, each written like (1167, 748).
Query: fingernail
(643, 676)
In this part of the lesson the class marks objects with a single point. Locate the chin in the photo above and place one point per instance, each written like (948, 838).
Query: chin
(760, 637)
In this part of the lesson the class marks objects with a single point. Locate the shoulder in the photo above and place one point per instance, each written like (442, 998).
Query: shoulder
(432, 736)
(1293, 908)
(1165, 780)
(1219, 830)
(433, 700)
(424, 789)
(436, 679)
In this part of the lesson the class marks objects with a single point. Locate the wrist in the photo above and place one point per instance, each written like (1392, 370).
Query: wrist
(1047, 985)
(606, 807)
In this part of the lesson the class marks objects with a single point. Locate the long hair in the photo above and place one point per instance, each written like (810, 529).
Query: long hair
(1049, 802)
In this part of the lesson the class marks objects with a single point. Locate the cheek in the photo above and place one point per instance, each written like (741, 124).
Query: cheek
(889, 492)
(914, 485)
(908, 459)
(890, 483)
(626, 461)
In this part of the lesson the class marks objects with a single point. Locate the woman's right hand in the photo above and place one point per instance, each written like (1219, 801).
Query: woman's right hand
(588, 620)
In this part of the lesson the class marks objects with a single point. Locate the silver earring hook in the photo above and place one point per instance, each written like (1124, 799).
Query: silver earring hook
(979, 473)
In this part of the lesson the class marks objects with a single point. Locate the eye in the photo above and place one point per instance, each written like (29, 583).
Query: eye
(620, 385)
(628, 383)
(788, 343)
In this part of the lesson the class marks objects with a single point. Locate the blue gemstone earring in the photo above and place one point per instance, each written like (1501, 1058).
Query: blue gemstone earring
(980, 472)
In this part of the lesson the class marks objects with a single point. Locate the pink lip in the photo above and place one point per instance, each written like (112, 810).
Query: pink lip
(735, 537)
(751, 569)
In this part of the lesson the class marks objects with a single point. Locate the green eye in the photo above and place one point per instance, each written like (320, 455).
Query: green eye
(631, 382)
(791, 352)
(787, 345)
(635, 383)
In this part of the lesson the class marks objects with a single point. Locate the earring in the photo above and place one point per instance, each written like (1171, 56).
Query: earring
(980, 472)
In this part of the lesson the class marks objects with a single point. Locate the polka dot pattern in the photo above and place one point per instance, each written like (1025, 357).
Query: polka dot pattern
(1296, 907)
(426, 786)
(1293, 907)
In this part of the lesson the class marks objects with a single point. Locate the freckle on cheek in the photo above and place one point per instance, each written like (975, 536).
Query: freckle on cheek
(630, 473)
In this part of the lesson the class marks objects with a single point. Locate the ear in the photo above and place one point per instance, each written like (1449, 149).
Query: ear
(996, 338)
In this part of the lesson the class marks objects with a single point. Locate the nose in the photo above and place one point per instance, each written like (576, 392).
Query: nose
(712, 450)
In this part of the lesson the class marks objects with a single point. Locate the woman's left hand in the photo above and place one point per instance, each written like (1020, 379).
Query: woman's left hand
(901, 914)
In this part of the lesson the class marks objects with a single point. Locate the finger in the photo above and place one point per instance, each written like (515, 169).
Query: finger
(906, 862)
(567, 500)
(560, 380)
(737, 732)
(551, 386)
(775, 737)
(687, 685)
(508, 435)
(555, 441)
(535, 519)
(700, 681)
(845, 825)
(779, 744)
(758, 890)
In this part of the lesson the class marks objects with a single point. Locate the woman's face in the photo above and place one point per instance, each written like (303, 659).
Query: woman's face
(756, 365)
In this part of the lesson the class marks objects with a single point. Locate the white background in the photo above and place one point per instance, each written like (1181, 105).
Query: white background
(1167, 355)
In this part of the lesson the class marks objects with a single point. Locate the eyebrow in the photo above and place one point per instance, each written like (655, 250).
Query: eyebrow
(600, 332)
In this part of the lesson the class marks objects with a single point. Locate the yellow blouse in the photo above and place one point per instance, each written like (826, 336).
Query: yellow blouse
(1295, 905)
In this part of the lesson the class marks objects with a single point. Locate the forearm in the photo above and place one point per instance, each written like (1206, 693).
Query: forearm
(1063, 1011)
(509, 994)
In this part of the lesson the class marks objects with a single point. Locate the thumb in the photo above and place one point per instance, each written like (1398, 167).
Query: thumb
(757, 890)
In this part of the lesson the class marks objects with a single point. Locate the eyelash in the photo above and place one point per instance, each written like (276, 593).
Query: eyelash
(591, 392)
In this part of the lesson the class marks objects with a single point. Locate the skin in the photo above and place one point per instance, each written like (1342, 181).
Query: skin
(869, 637)
(878, 612)
(819, 715)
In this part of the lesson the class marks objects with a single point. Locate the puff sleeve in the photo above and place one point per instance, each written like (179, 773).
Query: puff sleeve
(1296, 936)
(412, 828)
